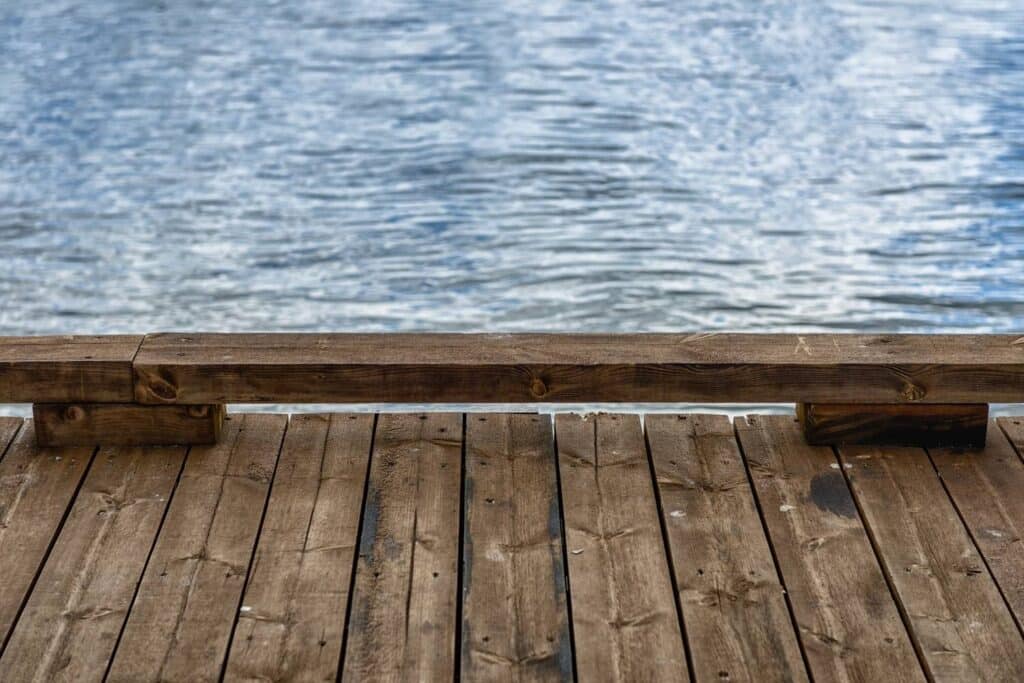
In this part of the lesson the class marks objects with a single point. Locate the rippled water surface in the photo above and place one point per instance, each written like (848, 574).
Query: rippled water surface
(742, 165)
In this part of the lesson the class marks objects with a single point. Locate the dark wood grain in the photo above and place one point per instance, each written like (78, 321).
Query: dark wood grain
(963, 628)
(625, 623)
(67, 369)
(533, 368)
(925, 425)
(515, 624)
(733, 603)
(181, 620)
(404, 607)
(70, 622)
(847, 619)
(36, 488)
(126, 424)
(294, 606)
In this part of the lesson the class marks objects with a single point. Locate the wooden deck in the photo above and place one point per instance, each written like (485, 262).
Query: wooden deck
(511, 547)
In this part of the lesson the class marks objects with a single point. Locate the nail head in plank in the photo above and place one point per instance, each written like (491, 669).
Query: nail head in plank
(180, 624)
(67, 369)
(403, 616)
(126, 424)
(738, 625)
(515, 620)
(987, 487)
(467, 368)
(69, 626)
(963, 628)
(625, 624)
(847, 620)
(36, 488)
(923, 425)
(293, 613)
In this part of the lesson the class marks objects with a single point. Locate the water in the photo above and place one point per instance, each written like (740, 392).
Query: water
(502, 166)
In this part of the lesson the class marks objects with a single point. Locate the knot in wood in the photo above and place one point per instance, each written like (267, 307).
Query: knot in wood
(912, 392)
(74, 413)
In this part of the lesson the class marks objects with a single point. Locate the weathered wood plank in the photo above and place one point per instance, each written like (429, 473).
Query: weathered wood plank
(988, 490)
(126, 424)
(403, 616)
(625, 624)
(69, 626)
(515, 620)
(181, 621)
(847, 620)
(293, 613)
(737, 622)
(923, 425)
(962, 627)
(36, 489)
(461, 368)
(67, 369)
(9, 427)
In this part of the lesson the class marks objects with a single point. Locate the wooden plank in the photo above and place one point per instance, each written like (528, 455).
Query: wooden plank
(923, 425)
(403, 617)
(738, 625)
(36, 489)
(515, 620)
(9, 427)
(962, 627)
(461, 368)
(625, 624)
(67, 369)
(126, 424)
(847, 620)
(293, 614)
(181, 621)
(987, 487)
(69, 626)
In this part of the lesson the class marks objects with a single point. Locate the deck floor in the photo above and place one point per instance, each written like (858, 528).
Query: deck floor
(513, 547)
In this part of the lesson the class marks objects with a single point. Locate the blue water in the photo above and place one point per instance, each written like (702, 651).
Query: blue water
(633, 166)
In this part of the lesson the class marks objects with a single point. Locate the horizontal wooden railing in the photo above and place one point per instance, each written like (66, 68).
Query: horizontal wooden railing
(513, 368)
(187, 369)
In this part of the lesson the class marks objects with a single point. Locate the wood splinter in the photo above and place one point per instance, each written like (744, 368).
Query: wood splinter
(920, 425)
(126, 424)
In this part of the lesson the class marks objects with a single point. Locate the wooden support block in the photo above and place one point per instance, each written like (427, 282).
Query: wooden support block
(922, 425)
(126, 424)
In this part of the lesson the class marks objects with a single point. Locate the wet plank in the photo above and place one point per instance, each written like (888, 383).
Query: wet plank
(403, 615)
(962, 627)
(987, 487)
(625, 623)
(515, 619)
(70, 623)
(293, 613)
(68, 368)
(481, 368)
(182, 618)
(126, 424)
(847, 619)
(738, 625)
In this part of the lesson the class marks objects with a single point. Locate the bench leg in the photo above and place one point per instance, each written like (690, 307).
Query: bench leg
(126, 424)
(922, 425)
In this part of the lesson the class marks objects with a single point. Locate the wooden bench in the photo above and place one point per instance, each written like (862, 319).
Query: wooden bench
(850, 388)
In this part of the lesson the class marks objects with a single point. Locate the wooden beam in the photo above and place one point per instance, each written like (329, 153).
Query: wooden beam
(66, 369)
(551, 368)
(126, 424)
(928, 425)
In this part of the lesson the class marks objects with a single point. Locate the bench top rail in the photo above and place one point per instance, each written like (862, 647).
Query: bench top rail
(191, 368)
